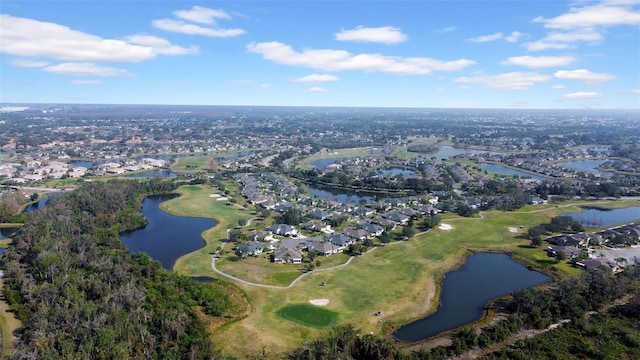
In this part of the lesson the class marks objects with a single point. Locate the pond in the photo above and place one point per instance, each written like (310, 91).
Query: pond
(589, 166)
(166, 237)
(445, 152)
(163, 173)
(499, 169)
(395, 171)
(341, 195)
(324, 163)
(238, 155)
(605, 217)
(7, 232)
(465, 292)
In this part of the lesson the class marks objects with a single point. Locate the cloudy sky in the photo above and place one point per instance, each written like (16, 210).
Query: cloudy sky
(445, 54)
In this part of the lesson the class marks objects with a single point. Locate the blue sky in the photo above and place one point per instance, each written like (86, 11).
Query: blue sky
(441, 54)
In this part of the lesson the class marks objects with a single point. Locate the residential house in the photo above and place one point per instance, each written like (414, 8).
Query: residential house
(340, 240)
(356, 234)
(283, 229)
(373, 229)
(569, 251)
(396, 217)
(323, 247)
(285, 255)
(252, 248)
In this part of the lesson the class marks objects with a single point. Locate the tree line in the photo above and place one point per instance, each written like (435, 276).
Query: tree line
(81, 295)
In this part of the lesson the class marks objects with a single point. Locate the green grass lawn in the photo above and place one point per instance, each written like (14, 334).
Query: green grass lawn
(308, 315)
(400, 280)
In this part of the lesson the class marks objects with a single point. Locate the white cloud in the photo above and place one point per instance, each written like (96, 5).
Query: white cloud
(564, 40)
(32, 38)
(558, 87)
(28, 63)
(84, 69)
(635, 92)
(446, 29)
(317, 89)
(507, 81)
(584, 75)
(589, 16)
(201, 15)
(182, 27)
(539, 61)
(317, 78)
(86, 82)
(159, 45)
(513, 37)
(340, 60)
(487, 38)
(264, 86)
(582, 95)
(384, 35)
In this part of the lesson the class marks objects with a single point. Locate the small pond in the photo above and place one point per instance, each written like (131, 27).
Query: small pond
(603, 218)
(589, 166)
(324, 163)
(345, 196)
(166, 237)
(395, 171)
(499, 169)
(465, 292)
(163, 173)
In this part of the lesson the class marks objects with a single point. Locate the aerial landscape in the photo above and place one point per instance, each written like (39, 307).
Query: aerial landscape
(320, 180)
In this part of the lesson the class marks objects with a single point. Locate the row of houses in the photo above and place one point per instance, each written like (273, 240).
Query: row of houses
(574, 245)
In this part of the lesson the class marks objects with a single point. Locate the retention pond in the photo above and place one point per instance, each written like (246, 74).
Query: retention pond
(466, 291)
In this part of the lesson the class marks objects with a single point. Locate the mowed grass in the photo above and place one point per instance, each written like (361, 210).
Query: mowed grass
(400, 280)
(308, 315)
(196, 200)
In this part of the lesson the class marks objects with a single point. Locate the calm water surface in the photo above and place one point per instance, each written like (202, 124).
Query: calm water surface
(166, 237)
(600, 218)
(466, 291)
(586, 166)
(499, 169)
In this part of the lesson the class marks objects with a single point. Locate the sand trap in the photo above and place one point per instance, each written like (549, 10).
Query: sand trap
(214, 195)
(445, 227)
(513, 229)
(222, 199)
(319, 302)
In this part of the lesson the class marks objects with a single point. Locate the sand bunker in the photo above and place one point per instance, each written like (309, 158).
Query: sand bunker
(445, 227)
(214, 195)
(513, 229)
(221, 199)
(319, 302)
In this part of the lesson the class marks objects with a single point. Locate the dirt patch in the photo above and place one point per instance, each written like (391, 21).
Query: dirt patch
(214, 195)
(319, 302)
(445, 227)
(513, 229)
(222, 199)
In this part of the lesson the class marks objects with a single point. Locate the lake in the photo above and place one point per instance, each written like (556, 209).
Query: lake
(586, 166)
(163, 173)
(466, 291)
(395, 171)
(601, 218)
(340, 195)
(324, 163)
(499, 169)
(166, 237)
(445, 152)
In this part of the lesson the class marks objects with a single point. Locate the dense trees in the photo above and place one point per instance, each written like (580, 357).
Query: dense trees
(81, 295)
